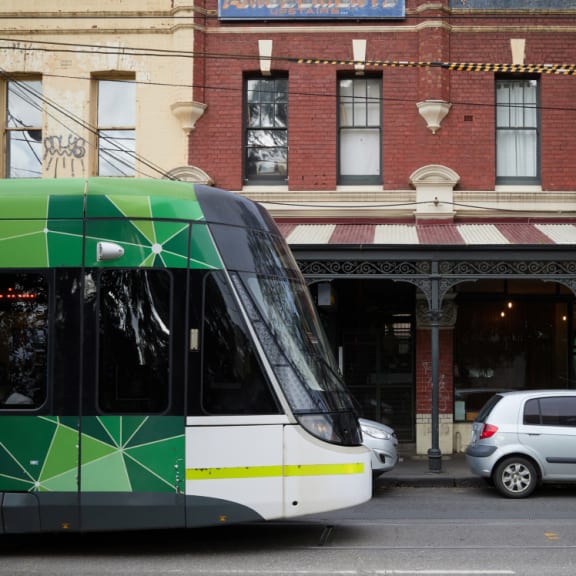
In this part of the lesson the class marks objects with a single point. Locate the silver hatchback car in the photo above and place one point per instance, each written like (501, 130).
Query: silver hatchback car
(524, 438)
(383, 444)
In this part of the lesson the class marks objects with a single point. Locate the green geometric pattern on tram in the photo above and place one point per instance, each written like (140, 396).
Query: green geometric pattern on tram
(38, 449)
(22, 243)
(66, 207)
(203, 251)
(134, 452)
(58, 242)
(119, 453)
(64, 242)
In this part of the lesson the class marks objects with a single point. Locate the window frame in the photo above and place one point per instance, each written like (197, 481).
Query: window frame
(520, 179)
(8, 131)
(25, 362)
(359, 179)
(127, 155)
(148, 390)
(275, 177)
(559, 417)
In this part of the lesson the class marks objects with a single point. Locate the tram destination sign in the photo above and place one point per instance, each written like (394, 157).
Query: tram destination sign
(312, 9)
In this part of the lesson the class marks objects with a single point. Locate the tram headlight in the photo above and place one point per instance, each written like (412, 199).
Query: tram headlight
(336, 428)
(318, 425)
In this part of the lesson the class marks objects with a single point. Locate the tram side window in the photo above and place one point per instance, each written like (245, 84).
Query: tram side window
(134, 344)
(23, 340)
(233, 381)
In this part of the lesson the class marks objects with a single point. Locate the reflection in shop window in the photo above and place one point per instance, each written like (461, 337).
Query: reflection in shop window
(508, 344)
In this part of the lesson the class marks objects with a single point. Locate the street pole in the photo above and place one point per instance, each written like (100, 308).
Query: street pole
(434, 453)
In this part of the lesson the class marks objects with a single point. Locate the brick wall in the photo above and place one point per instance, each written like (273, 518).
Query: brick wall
(424, 372)
(466, 141)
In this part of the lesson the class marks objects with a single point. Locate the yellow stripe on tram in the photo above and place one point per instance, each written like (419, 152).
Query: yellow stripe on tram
(274, 471)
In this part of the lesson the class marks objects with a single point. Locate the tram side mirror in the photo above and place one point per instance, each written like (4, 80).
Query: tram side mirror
(108, 251)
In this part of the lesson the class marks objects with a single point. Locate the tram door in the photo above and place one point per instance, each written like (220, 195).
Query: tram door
(131, 443)
(234, 434)
(39, 398)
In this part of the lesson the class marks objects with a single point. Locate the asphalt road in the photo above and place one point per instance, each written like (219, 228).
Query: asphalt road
(402, 531)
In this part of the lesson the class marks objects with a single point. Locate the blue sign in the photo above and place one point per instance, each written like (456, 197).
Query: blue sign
(513, 4)
(301, 9)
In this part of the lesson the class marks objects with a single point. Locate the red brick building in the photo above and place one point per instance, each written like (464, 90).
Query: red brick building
(419, 158)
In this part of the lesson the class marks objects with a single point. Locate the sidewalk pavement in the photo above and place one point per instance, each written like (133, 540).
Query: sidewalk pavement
(414, 471)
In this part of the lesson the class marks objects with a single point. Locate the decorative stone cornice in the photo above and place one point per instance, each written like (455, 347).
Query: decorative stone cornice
(188, 113)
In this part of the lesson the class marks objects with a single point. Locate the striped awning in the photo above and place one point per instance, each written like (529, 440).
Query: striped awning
(479, 234)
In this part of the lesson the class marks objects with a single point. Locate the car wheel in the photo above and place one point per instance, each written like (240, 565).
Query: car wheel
(515, 477)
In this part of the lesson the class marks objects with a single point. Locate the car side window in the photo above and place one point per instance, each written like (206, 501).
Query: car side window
(553, 411)
(532, 412)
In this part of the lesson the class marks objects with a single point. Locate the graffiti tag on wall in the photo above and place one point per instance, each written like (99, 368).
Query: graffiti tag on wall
(64, 156)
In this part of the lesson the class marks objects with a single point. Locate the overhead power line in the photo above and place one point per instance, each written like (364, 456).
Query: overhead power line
(54, 110)
(564, 69)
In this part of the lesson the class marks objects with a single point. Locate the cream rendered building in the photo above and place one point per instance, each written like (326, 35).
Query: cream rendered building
(69, 46)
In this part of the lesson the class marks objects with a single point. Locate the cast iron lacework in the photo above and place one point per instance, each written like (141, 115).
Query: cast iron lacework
(450, 273)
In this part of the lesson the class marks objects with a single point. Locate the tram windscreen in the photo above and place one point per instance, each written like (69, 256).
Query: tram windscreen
(281, 310)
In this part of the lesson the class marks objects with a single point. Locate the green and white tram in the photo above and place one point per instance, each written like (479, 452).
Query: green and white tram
(161, 364)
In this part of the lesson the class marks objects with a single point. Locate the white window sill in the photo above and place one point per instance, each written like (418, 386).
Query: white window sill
(518, 188)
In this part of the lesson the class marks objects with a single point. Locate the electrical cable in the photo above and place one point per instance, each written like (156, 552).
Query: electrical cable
(51, 105)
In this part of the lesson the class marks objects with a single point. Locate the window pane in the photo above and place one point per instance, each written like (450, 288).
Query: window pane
(281, 115)
(517, 138)
(267, 115)
(24, 133)
(360, 147)
(116, 103)
(499, 348)
(24, 154)
(360, 113)
(116, 152)
(266, 136)
(374, 103)
(253, 117)
(266, 154)
(558, 411)
(532, 412)
(116, 109)
(23, 340)
(135, 312)
(233, 381)
(517, 153)
(346, 114)
(360, 152)
(24, 104)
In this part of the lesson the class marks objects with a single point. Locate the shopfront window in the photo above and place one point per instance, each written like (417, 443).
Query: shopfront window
(508, 342)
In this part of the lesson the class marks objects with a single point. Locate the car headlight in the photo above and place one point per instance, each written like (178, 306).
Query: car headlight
(375, 432)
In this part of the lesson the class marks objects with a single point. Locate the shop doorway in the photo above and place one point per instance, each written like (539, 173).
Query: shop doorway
(371, 326)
